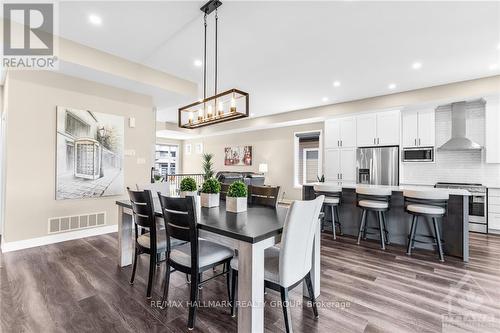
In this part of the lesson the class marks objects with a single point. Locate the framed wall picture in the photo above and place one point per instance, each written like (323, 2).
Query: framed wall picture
(89, 154)
(198, 148)
(238, 155)
(187, 149)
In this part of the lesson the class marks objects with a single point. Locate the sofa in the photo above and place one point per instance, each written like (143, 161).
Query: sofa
(249, 178)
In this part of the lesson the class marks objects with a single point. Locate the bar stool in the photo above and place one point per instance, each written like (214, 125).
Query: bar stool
(377, 200)
(333, 195)
(431, 205)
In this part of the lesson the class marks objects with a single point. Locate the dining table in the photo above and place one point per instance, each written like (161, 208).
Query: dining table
(250, 232)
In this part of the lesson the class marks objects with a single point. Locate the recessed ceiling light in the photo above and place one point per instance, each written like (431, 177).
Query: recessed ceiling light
(198, 63)
(336, 83)
(95, 20)
(392, 86)
(325, 99)
(416, 65)
(493, 67)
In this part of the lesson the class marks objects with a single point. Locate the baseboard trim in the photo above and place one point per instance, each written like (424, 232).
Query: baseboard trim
(57, 238)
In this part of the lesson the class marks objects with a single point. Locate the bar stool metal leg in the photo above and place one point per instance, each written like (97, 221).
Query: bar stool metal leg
(337, 215)
(382, 231)
(412, 235)
(361, 225)
(333, 221)
(438, 238)
(385, 229)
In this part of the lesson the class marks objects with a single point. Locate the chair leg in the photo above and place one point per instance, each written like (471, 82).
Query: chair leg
(385, 229)
(311, 294)
(323, 219)
(338, 220)
(152, 268)
(228, 271)
(234, 286)
(134, 267)
(382, 232)
(438, 239)
(193, 301)
(167, 284)
(286, 311)
(412, 235)
(361, 225)
(332, 208)
(365, 227)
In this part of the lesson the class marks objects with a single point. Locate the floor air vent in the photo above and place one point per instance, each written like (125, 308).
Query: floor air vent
(76, 222)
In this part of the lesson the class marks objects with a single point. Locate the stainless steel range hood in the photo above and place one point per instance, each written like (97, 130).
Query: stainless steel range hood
(459, 139)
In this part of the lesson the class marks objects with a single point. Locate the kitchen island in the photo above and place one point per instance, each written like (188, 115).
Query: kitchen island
(454, 226)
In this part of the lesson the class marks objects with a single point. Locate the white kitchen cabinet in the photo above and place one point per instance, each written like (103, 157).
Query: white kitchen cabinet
(419, 128)
(340, 164)
(378, 129)
(366, 129)
(340, 132)
(494, 210)
(492, 130)
(388, 128)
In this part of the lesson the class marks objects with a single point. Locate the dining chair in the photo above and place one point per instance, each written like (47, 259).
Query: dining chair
(263, 195)
(286, 266)
(194, 257)
(150, 242)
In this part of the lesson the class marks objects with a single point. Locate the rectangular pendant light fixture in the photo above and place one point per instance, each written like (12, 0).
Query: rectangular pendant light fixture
(228, 105)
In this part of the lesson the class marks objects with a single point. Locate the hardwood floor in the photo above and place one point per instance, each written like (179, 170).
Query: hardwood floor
(76, 286)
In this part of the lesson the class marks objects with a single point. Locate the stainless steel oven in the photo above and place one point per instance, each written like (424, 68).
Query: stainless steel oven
(478, 217)
(420, 154)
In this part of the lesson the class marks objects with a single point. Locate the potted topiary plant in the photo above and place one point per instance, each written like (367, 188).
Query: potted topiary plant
(210, 193)
(236, 199)
(188, 187)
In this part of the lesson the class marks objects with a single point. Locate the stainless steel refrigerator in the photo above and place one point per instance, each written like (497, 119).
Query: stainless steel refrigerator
(377, 166)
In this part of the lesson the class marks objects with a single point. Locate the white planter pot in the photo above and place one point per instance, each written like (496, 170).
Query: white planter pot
(184, 194)
(236, 205)
(210, 200)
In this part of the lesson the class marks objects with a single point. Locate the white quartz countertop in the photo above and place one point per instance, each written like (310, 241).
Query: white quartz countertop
(402, 188)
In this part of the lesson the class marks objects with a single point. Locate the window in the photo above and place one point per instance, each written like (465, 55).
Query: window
(76, 127)
(166, 159)
(307, 157)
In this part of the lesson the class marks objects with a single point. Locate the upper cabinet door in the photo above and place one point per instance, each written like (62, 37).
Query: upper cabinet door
(410, 128)
(366, 130)
(388, 128)
(332, 164)
(348, 132)
(348, 164)
(492, 130)
(332, 133)
(426, 128)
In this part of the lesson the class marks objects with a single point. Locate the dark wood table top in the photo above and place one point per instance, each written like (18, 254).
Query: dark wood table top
(252, 226)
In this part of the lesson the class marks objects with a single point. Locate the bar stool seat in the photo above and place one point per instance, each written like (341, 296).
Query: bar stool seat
(374, 199)
(333, 194)
(426, 209)
(332, 201)
(429, 204)
(373, 204)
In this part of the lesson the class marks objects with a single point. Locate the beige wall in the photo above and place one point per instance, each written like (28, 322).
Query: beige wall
(272, 146)
(31, 146)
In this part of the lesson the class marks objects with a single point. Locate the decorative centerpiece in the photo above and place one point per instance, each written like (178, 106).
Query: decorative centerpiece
(188, 188)
(210, 193)
(236, 199)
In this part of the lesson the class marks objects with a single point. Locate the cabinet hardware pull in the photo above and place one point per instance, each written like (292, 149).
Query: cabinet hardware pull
(419, 142)
(415, 142)
(374, 141)
(340, 143)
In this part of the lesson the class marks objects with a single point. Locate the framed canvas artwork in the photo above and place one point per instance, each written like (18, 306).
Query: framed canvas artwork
(238, 155)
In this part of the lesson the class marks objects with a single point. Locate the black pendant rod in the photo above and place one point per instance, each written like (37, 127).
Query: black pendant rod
(205, 61)
(216, 20)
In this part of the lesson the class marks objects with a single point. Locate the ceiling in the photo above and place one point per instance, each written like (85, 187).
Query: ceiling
(288, 54)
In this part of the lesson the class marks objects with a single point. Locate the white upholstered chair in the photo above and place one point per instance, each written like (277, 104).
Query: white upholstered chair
(288, 265)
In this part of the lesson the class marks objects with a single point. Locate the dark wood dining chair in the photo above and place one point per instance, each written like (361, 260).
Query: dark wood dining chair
(224, 188)
(194, 257)
(150, 242)
(263, 195)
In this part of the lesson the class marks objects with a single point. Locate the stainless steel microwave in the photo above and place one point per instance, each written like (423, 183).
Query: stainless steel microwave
(419, 154)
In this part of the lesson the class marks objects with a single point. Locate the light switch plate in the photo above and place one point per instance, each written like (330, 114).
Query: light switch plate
(129, 152)
(131, 122)
(141, 160)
